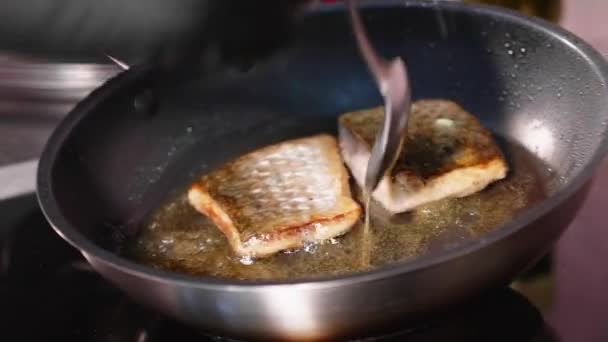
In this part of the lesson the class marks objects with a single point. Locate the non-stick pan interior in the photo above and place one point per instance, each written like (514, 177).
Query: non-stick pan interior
(523, 82)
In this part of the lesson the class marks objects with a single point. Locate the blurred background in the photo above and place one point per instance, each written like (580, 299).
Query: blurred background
(36, 91)
(547, 9)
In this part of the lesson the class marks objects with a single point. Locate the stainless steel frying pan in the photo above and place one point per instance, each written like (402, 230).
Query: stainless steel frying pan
(146, 134)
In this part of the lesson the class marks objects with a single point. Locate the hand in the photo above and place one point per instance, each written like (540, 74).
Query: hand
(133, 30)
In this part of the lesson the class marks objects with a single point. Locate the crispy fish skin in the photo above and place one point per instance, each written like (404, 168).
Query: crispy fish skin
(446, 153)
(279, 197)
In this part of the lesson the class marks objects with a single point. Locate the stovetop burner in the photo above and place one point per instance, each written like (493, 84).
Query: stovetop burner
(48, 292)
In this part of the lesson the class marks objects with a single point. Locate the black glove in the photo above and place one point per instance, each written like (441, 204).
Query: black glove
(135, 30)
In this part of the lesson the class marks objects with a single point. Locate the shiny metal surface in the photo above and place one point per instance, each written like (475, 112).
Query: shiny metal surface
(528, 91)
(34, 96)
(18, 179)
(26, 79)
(392, 82)
(119, 63)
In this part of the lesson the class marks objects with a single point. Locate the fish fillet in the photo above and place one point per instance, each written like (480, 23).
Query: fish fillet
(279, 197)
(447, 153)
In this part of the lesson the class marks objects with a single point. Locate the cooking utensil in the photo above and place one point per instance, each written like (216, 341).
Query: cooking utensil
(527, 80)
(391, 79)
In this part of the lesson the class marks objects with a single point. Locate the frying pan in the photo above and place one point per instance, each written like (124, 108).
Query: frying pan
(145, 134)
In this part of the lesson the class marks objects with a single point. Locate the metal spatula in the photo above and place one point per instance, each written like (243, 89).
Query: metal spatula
(392, 80)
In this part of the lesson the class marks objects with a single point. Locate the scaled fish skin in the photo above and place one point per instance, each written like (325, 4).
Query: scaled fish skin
(279, 197)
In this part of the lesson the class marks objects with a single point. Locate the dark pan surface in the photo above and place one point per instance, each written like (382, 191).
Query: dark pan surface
(108, 164)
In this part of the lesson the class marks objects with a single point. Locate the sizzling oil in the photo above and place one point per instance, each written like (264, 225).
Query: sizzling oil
(179, 239)
(366, 238)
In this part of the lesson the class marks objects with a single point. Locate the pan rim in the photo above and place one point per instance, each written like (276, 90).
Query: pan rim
(62, 227)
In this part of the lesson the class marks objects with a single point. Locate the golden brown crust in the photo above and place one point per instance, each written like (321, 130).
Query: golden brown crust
(447, 153)
(429, 150)
(298, 229)
(201, 200)
(272, 195)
